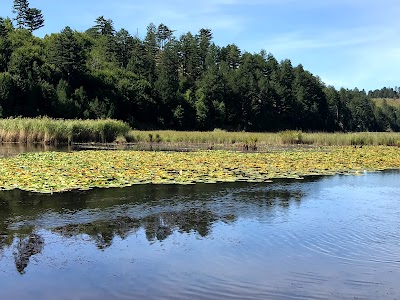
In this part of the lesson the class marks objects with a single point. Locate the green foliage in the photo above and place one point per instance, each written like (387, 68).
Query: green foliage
(3, 29)
(6, 93)
(167, 83)
(34, 19)
(103, 27)
(27, 17)
(51, 172)
(20, 8)
(291, 137)
(67, 54)
(386, 92)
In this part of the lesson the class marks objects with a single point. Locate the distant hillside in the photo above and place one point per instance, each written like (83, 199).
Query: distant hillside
(389, 101)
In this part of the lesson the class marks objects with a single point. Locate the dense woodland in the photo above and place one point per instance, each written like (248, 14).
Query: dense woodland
(163, 81)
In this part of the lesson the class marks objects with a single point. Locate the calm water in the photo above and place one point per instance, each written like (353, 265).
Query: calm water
(7, 150)
(323, 238)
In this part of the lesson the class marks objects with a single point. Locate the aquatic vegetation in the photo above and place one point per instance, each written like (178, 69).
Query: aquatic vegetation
(46, 130)
(264, 139)
(52, 131)
(49, 172)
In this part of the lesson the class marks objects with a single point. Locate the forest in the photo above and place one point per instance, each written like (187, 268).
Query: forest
(162, 81)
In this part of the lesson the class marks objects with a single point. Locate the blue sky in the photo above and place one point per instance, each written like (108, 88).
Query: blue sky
(349, 43)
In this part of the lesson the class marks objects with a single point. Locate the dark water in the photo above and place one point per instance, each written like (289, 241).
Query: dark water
(322, 238)
(7, 150)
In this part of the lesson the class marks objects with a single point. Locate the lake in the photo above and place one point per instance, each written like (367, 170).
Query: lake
(332, 237)
(11, 149)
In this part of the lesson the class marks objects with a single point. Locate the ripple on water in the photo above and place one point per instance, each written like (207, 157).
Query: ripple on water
(331, 238)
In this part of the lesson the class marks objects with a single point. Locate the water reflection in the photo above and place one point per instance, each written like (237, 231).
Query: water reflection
(103, 215)
(25, 248)
(10, 149)
(158, 227)
(322, 238)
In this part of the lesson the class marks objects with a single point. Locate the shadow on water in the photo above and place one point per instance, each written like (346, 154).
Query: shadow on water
(160, 210)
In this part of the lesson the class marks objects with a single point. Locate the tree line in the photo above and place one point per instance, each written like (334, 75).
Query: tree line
(386, 92)
(167, 82)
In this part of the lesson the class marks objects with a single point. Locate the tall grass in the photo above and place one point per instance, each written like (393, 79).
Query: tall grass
(58, 131)
(354, 138)
(290, 137)
(199, 137)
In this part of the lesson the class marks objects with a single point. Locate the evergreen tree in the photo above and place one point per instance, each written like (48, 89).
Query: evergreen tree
(125, 45)
(189, 60)
(27, 17)
(159, 81)
(65, 52)
(163, 35)
(5, 46)
(204, 37)
(103, 27)
(3, 29)
(7, 95)
(34, 19)
(167, 83)
(20, 8)
(150, 53)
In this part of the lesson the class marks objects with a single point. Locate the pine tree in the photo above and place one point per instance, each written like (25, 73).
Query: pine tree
(5, 46)
(125, 43)
(27, 18)
(103, 26)
(67, 54)
(3, 29)
(163, 35)
(34, 19)
(20, 8)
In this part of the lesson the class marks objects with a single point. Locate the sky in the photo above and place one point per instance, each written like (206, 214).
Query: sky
(347, 43)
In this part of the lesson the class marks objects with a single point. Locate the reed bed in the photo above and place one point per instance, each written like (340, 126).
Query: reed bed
(59, 131)
(352, 139)
(251, 139)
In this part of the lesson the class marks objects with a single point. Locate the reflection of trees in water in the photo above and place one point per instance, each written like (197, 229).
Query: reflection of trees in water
(160, 226)
(25, 248)
(283, 198)
(180, 209)
(157, 226)
(3, 244)
(102, 231)
(270, 198)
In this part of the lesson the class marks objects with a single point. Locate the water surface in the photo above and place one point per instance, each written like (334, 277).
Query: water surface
(11, 149)
(321, 238)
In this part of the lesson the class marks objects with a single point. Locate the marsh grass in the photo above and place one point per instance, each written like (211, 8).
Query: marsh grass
(256, 140)
(59, 131)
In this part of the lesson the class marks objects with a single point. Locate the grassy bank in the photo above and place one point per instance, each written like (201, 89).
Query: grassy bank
(250, 139)
(53, 131)
(58, 131)
(50, 172)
